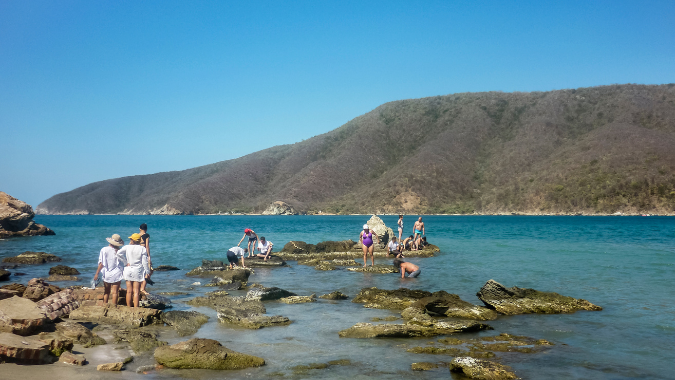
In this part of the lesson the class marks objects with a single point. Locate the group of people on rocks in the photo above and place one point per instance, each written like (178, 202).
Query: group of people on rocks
(414, 242)
(235, 253)
(131, 263)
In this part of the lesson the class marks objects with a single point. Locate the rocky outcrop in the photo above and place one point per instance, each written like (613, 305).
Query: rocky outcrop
(56, 342)
(38, 289)
(336, 295)
(280, 208)
(4, 275)
(16, 219)
(300, 247)
(61, 278)
(225, 302)
(20, 316)
(139, 339)
(185, 322)
(298, 299)
(78, 333)
(24, 349)
(397, 299)
(154, 301)
(383, 232)
(347, 249)
(377, 268)
(411, 330)
(5, 293)
(481, 369)
(252, 321)
(206, 354)
(118, 366)
(512, 301)
(63, 270)
(259, 262)
(74, 359)
(130, 316)
(445, 304)
(58, 304)
(227, 275)
(164, 268)
(267, 294)
(32, 258)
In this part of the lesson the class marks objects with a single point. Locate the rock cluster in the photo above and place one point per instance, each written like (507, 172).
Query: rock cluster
(130, 316)
(445, 304)
(411, 330)
(58, 304)
(38, 289)
(280, 208)
(32, 258)
(206, 354)
(298, 299)
(481, 369)
(227, 275)
(16, 219)
(261, 293)
(336, 295)
(397, 299)
(20, 316)
(185, 322)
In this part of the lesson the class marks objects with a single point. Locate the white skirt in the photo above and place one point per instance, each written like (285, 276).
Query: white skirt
(113, 276)
(135, 273)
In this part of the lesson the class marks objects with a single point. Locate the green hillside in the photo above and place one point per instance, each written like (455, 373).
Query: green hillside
(590, 150)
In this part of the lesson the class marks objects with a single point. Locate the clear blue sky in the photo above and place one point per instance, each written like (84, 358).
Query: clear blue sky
(92, 90)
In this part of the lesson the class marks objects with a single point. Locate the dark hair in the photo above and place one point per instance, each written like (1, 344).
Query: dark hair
(397, 263)
(410, 237)
(245, 249)
(262, 238)
(393, 238)
(400, 216)
(144, 227)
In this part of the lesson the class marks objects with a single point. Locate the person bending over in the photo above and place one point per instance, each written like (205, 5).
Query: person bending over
(410, 268)
(265, 248)
(233, 256)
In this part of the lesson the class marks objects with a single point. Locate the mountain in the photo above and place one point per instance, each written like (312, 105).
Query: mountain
(589, 150)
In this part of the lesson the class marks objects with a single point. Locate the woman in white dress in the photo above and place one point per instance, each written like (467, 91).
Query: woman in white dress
(135, 258)
(110, 268)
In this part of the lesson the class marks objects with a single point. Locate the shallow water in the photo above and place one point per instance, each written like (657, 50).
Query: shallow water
(624, 264)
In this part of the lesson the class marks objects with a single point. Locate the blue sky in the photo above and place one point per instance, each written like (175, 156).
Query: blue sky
(93, 90)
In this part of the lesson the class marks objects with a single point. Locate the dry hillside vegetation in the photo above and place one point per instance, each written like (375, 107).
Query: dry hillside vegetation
(590, 150)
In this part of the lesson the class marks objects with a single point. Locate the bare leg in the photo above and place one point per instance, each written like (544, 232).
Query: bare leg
(130, 293)
(143, 286)
(106, 292)
(115, 292)
(137, 293)
(400, 232)
(269, 252)
(365, 252)
(370, 250)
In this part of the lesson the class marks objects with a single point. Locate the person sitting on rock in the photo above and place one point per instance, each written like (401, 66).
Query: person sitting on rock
(234, 254)
(136, 259)
(405, 267)
(252, 238)
(110, 268)
(407, 243)
(394, 248)
(265, 248)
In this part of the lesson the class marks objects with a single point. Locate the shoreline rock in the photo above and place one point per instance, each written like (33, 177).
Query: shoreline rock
(444, 304)
(133, 317)
(397, 299)
(29, 257)
(204, 354)
(185, 322)
(20, 316)
(411, 330)
(481, 369)
(16, 219)
(24, 349)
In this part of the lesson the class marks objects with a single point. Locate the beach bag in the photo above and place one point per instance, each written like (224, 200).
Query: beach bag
(95, 283)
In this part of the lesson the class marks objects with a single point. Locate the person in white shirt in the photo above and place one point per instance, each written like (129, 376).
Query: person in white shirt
(265, 248)
(234, 254)
(110, 268)
(135, 258)
(394, 247)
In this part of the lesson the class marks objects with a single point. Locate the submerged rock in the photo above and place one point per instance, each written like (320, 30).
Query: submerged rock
(236, 285)
(298, 299)
(63, 270)
(423, 366)
(206, 354)
(272, 261)
(185, 322)
(78, 333)
(336, 295)
(481, 369)
(130, 316)
(247, 313)
(20, 316)
(16, 219)
(442, 303)
(410, 330)
(512, 301)
(164, 268)
(154, 301)
(397, 299)
(118, 366)
(141, 340)
(226, 302)
(267, 294)
(32, 258)
(24, 349)
(377, 268)
(227, 275)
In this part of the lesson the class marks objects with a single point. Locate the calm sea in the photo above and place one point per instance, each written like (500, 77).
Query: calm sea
(624, 264)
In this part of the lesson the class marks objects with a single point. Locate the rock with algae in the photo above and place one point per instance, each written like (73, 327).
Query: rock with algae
(204, 354)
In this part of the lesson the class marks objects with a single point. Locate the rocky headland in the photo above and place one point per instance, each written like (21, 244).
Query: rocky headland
(16, 219)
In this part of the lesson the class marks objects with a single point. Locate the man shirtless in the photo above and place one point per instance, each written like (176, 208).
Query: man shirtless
(405, 267)
(419, 231)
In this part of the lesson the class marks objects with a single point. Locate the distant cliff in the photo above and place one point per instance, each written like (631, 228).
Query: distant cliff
(589, 150)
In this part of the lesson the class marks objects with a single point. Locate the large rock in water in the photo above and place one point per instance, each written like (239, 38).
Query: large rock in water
(4, 275)
(280, 208)
(16, 219)
(272, 261)
(512, 301)
(63, 270)
(227, 275)
(130, 316)
(261, 293)
(185, 322)
(397, 299)
(383, 232)
(481, 369)
(411, 330)
(24, 349)
(32, 258)
(20, 316)
(206, 354)
(442, 303)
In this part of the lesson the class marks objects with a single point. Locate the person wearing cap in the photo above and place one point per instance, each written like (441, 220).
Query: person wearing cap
(135, 257)
(252, 238)
(265, 248)
(110, 268)
(366, 240)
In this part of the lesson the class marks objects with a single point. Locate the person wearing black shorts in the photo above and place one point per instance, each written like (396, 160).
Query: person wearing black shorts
(234, 254)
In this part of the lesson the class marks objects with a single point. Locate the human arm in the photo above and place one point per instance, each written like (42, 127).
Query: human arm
(122, 255)
(361, 237)
(243, 264)
(402, 272)
(423, 231)
(242, 239)
(100, 265)
(144, 261)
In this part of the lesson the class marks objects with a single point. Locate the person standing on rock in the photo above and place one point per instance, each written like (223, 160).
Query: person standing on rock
(135, 258)
(233, 255)
(419, 231)
(110, 268)
(400, 227)
(405, 267)
(265, 248)
(145, 242)
(366, 240)
(252, 238)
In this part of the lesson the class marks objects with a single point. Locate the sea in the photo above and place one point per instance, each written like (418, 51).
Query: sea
(625, 264)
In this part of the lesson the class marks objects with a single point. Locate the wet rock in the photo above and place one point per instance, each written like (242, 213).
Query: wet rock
(63, 270)
(512, 301)
(383, 232)
(20, 316)
(500, 343)
(298, 299)
(19, 288)
(38, 289)
(74, 359)
(154, 301)
(302, 248)
(16, 219)
(60, 278)
(336, 295)
(164, 268)
(298, 247)
(171, 294)
(130, 316)
(217, 293)
(388, 319)
(248, 314)
(32, 258)
(24, 349)
(141, 340)
(57, 343)
(110, 366)
(206, 354)
(423, 366)
(410, 330)
(481, 369)
(212, 264)
(79, 334)
(272, 261)
(415, 314)
(227, 302)
(58, 304)
(377, 268)
(325, 266)
(5, 293)
(185, 322)
(450, 305)
(451, 352)
(4, 275)
(397, 299)
(267, 294)
(236, 285)
(227, 275)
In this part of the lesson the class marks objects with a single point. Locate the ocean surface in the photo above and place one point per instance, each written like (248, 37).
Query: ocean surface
(624, 264)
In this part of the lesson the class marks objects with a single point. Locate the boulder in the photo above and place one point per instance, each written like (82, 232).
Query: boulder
(335, 246)
(24, 349)
(267, 294)
(236, 285)
(16, 219)
(20, 316)
(336, 295)
(481, 369)
(129, 316)
(60, 278)
(225, 302)
(185, 322)
(210, 264)
(411, 330)
(280, 208)
(154, 301)
(206, 354)
(450, 305)
(298, 299)
(38, 289)
(252, 321)
(110, 366)
(512, 301)
(228, 275)
(32, 258)
(272, 261)
(6, 293)
(298, 247)
(4, 275)
(57, 343)
(74, 359)
(423, 366)
(78, 333)
(141, 340)
(19, 288)
(398, 299)
(63, 270)
(164, 268)
(377, 268)
(383, 232)
(58, 304)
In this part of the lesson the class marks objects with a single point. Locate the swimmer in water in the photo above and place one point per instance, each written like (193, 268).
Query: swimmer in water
(366, 240)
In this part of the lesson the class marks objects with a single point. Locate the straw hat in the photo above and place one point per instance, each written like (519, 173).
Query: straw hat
(115, 240)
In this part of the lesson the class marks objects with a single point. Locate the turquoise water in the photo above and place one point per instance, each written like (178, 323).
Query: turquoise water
(624, 264)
